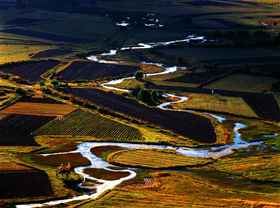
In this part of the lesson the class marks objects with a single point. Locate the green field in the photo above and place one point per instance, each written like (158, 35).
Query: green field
(83, 123)
(243, 83)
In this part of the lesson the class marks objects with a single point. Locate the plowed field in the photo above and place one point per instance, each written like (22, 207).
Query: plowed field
(15, 129)
(186, 124)
(82, 70)
(30, 71)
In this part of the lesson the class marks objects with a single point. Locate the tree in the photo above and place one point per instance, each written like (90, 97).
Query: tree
(215, 65)
(41, 83)
(138, 75)
(258, 34)
(144, 95)
(242, 34)
(217, 34)
(19, 91)
(229, 34)
(187, 20)
(54, 82)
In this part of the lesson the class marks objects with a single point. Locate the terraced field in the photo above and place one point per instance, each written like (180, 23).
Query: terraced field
(83, 123)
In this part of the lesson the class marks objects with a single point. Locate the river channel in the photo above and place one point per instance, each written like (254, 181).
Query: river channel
(96, 162)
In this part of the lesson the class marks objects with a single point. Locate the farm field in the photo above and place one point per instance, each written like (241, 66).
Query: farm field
(220, 104)
(79, 70)
(23, 126)
(243, 83)
(42, 109)
(30, 71)
(4, 83)
(83, 123)
(47, 36)
(149, 158)
(262, 168)
(51, 53)
(190, 124)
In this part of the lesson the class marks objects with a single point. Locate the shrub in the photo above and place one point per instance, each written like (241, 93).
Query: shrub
(144, 96)
(138, 75)
(217, 34)
(229, 34)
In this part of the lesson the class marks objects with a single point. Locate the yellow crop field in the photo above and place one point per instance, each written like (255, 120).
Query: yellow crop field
(39, 109)
(221, 104)
(155, 158)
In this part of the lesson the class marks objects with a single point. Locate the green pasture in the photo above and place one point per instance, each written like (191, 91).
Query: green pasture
(243, 83)
(221, 104)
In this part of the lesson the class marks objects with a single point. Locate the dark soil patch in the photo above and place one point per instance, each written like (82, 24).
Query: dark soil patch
(82, 70)
(210, 3)
(30, 71)
(190, 125)
(66, 149)
(51, 53)
(15, 129)
(264, 105)
(198, 78)
(39, 100)
(23, 184)
(105, 174)
(99, 151)
(47, 36)
(76, 160)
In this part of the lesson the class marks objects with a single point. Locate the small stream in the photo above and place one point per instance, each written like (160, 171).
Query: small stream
(96, 162)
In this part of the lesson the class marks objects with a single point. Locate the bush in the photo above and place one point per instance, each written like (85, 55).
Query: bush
(19, 91)
(144, 96)
(242, 34)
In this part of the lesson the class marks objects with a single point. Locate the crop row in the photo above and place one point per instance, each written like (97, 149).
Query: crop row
(83, 123)
(82, 70)
(153, 158)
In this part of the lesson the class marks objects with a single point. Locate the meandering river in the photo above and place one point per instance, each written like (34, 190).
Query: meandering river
(96, 162)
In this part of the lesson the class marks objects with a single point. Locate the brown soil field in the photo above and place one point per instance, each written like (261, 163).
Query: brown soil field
(47, 36)
(82, 70)
(190, 125)
(42, 109)
(24, 183)
(98, 151)
(38, 99)
(76, 159)
(23, 126)
(51, 53)
(30, 71)
(105, 174)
